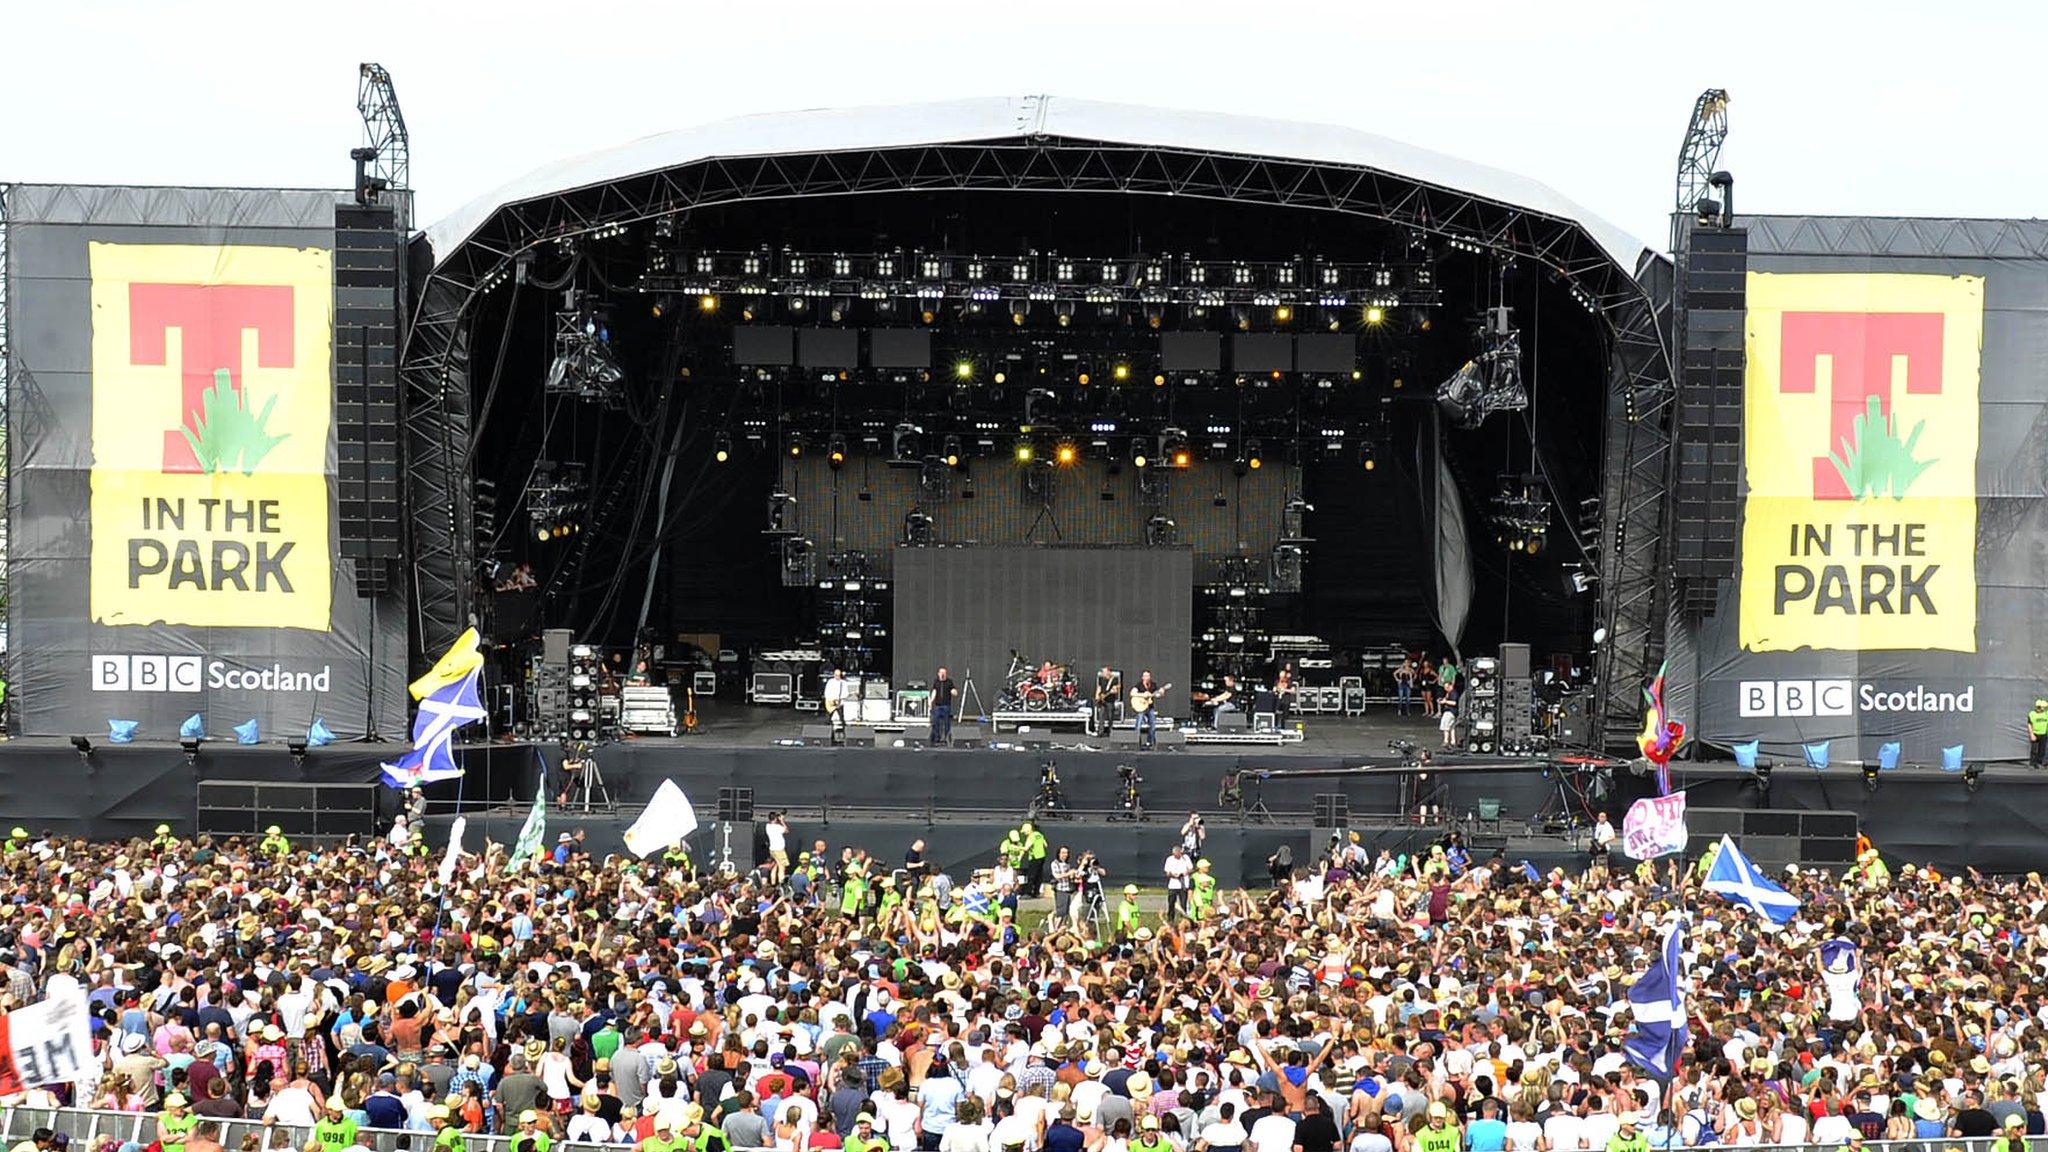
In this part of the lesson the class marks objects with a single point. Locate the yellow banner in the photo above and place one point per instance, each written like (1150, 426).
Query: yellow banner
(211, 406)
(1859, 532)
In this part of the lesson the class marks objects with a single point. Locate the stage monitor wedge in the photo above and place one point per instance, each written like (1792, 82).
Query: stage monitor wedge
(899, 348)
(764, 345)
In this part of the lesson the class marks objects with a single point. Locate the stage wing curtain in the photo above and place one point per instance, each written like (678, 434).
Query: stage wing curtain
(1451, 557)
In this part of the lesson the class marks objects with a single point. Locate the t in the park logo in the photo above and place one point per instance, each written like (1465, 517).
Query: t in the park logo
(210, 419)
(1860, 450)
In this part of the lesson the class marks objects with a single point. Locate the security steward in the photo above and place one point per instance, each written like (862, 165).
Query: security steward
(2037, 734)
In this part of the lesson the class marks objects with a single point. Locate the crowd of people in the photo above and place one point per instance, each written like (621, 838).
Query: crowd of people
(1441, 1004)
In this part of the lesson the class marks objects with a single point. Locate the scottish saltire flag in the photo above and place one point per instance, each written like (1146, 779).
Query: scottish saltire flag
(1952, 758)
(433, 734)
(1817, 755)
(249, 732)
(1530, 873)
(194, 728)
(1736, 877)
(979, 905)
(318, 734)
(1745, 753)
(122, 731)
(1657, 1001)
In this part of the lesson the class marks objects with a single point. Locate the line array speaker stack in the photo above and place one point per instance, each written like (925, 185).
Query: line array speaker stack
(1332, 810)
(736, 805)
(367, 249)
(1517, 701)
(1479, 707)
(583, 684)
(1708, 436)
(550, 713)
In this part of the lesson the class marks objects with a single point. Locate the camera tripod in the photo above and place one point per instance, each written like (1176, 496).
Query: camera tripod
(1256, 812)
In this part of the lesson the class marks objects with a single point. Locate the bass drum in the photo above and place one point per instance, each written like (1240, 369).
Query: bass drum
(1036, 698)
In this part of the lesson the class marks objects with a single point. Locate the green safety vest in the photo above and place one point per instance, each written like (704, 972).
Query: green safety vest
(274, 846)
(1034, 848)
(335, 1134)
(856, 1144)
(541, 1140)
(710, 1139)
(1141, 1146)
(1635, 1143)
(1204, 893)
(851, 895)
(657, 1144)
(172, 1131)
(2037, 722)
(449, 1139)
(1127, 915)
(1444, 1139)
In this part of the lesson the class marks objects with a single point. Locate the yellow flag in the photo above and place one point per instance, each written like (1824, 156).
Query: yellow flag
(463, 657)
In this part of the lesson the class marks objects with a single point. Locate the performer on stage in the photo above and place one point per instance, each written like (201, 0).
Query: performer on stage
(1225, 698)
(942, 707)
(1108, 686)
(836, 694)
(1144, 706)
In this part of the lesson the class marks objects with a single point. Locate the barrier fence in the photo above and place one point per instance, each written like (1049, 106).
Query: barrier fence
(85, 1126)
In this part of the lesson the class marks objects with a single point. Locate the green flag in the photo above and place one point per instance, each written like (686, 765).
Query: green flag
(532, 832)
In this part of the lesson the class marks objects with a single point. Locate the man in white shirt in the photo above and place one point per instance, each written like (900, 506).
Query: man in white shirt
(1179, 866)
(1564, 1131)
(837, 692)
(1600, 1125)
(1274, 1132)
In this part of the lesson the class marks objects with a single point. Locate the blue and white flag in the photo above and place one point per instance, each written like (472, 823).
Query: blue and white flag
(433, 732)
(1841, 973)
(194, 728)
(1657, 1001)
(249, 732)
(318, 734)
(1738, 878)
(122, 731)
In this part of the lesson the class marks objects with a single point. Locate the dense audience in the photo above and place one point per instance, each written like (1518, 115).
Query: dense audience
(1374, 1004)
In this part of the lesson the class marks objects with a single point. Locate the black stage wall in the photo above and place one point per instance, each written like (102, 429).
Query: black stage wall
(1915, 815)
(970, 608)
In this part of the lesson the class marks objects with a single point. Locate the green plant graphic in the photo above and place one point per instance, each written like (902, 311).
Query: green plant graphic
(228, 434)
(1874, 460)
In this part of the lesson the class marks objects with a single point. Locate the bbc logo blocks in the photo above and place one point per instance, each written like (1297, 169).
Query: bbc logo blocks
(1774, 698)
(146, 673)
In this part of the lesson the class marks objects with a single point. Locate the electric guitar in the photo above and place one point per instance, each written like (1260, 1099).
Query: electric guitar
(689, 710)
(1141, 700)
(1108, 691)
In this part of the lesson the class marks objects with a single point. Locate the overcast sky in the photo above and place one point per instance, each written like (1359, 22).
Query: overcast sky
(1858, 108)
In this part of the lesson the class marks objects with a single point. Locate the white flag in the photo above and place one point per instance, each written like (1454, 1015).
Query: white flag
(454, 855)
(667, 820)
(48, 1042)
(1655, 826)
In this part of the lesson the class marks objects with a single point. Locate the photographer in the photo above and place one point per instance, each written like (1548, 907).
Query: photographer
(1193, 834)
(1087, 880)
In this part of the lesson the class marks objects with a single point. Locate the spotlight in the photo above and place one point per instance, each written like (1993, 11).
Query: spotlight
(796, 445)
(1082, 379)
(1141, 451)
(1870, 777)
(298, 750)
(1065, 454)
(1366, 453)
(964, 370)
(1182, 457)
(191, 746)
(835, 451)
(83, 745)
(1251, 455)
(721, 447)
(1019, 309)
(1024, 452)
(1973, 776)
(707, 303)
(541, 534)
(1375, 315)
(952, 450)
(1122, 372)
(1282, 314)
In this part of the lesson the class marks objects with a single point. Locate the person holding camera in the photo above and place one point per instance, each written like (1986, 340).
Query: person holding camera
(1193, 833)
(1088, 874)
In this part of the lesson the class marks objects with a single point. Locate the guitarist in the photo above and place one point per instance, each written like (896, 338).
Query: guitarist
(836, 693)
(1144, 697)
(1108, 686)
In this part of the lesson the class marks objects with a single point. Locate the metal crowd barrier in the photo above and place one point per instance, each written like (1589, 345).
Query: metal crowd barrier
(85, 1126)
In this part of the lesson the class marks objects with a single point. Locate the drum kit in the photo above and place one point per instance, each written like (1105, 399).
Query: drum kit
(1045, 687)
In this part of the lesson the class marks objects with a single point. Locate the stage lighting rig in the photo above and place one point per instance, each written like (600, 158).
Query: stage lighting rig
(556, 498)
(1161, 531)
(1491, 381)
(584, 365)
(919, 528)
(721, 447)
(1521, 514)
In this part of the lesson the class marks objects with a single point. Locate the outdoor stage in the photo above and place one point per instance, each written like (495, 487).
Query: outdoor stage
(960, 799)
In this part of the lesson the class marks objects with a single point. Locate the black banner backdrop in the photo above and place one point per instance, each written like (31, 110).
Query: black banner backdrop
(1893, 577)
(172, 514)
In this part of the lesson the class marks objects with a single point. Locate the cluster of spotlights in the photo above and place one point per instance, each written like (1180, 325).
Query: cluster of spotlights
(557, 530)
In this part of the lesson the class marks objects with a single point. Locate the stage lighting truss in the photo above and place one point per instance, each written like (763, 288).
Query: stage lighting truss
(1005, 287)
(1521, 514)
(1491, 381)
(584, 366)
(556, 499)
